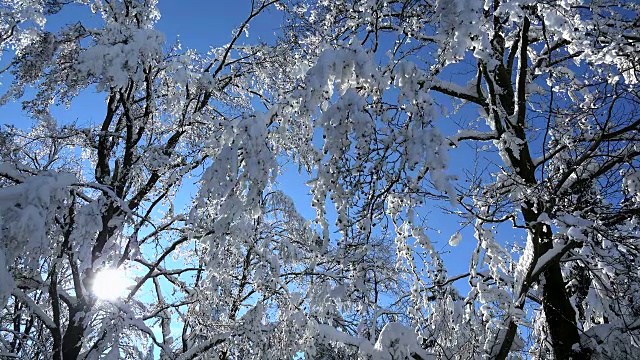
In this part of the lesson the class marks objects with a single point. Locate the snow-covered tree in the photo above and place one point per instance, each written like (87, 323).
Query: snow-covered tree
(374, 102)
(236, 273)
(542, 99)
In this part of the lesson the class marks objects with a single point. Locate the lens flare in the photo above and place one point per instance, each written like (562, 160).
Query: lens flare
(110, 284)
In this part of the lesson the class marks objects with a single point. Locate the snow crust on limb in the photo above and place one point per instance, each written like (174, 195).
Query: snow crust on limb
(395, 341)
(27, 210)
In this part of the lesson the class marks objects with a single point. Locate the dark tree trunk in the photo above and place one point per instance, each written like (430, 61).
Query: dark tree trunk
(561, 317)
(72, 340)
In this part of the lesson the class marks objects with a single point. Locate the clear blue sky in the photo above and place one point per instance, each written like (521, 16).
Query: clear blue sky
(203, 23)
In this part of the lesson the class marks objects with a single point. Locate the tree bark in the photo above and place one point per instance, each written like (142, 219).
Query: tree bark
(72, 340)
(561, 317)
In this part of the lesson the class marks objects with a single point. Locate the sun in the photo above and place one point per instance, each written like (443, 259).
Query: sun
(110, 284)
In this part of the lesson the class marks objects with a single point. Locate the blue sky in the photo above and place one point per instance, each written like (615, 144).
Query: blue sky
(202, 23)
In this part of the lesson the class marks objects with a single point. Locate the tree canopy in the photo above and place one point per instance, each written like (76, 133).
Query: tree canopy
(519, 120)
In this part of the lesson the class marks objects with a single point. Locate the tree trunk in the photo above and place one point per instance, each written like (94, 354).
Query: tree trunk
(561, 317)
(72, 340)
